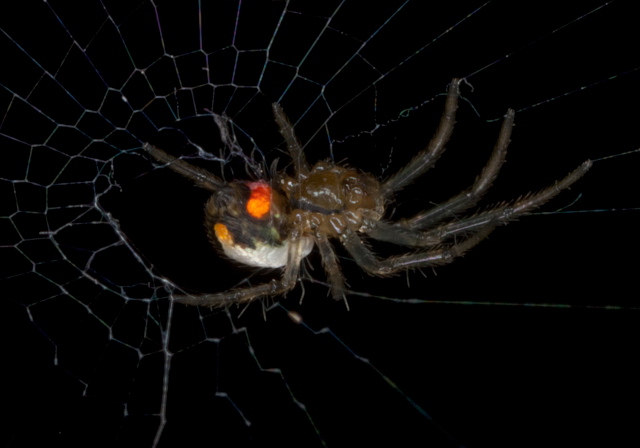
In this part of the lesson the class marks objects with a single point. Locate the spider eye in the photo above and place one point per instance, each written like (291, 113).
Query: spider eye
(259, 202)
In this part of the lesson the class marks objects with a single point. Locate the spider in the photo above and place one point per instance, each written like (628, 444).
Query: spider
(276, 223)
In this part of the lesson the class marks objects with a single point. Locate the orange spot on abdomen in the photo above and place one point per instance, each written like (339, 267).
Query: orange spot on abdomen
(222, 233)
(259, 202)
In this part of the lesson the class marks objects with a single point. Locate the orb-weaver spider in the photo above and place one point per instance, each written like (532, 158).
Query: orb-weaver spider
(276, 223)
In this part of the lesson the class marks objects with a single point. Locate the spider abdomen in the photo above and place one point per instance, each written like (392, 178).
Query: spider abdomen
(263, 255)
(249, 222)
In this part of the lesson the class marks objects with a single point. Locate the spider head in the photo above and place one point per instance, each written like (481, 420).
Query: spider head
(249, 220)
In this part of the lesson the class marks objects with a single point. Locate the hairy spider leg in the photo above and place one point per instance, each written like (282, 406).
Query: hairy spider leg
(331, 267)
(478, 226)
(389, 266)
(483, 182)
(504, 214)
(426, 158)
(293, 144)
(201, 177)
(407, 232)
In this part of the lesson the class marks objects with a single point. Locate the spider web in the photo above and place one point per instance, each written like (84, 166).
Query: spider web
(525, 340)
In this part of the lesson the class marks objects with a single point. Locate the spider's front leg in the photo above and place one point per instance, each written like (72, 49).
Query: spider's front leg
(293, 145)
(201, 177)
(244, 295)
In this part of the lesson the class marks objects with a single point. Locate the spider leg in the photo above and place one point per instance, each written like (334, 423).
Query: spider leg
(504, 214)
(331, 267)
(427, 157)
(403, 236)
(413, 237)
(434, 257)
(201, 177)
(470, 197)
(293, 145)
(248, 294)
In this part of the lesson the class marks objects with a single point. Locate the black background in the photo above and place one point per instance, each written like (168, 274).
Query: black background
(528, 340)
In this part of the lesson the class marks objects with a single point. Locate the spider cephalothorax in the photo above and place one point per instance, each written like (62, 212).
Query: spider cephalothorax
(276, 223)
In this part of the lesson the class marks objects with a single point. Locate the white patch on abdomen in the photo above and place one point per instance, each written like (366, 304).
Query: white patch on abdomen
(265, 256)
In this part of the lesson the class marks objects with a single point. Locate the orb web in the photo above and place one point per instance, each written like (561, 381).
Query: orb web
(505, 346)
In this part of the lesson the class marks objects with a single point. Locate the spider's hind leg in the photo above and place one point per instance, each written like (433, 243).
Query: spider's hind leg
(470, 197)
(506, 213)
(426, 158)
